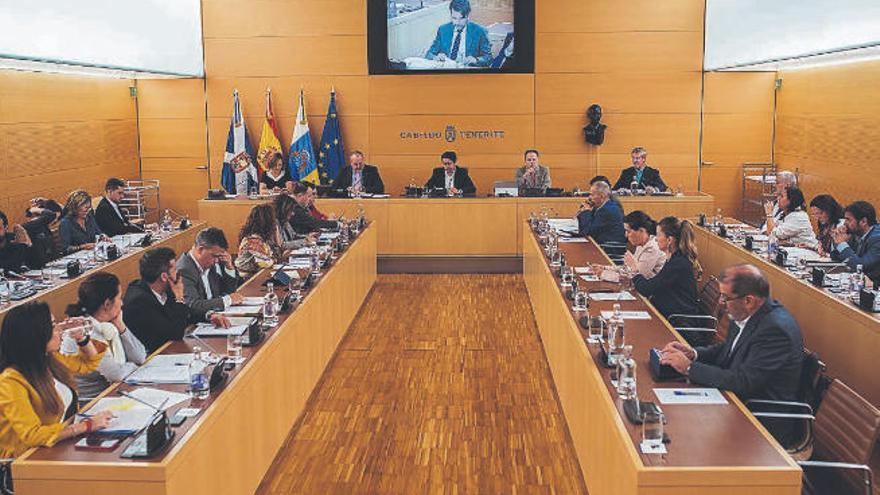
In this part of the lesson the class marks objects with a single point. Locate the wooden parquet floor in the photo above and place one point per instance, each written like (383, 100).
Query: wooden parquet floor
(440, 386)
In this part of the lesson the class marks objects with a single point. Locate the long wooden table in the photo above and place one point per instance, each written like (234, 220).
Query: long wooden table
(714, 449)
(844, 336)
(230, 445)
(126, 268)
(474, 227)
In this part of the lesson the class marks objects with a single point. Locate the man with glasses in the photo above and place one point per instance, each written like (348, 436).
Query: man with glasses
(761, 356)
(208, 274)
(153, 307)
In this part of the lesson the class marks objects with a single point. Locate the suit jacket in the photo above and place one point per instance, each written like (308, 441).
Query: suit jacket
(370, 179)
(674, 289)
(303, 222)
(604, 224)
(462, 180)
(153, 323)
(866, 253)
(477, 44)
(194, 294)
(650, 177)
(110, 222)
(766, 362)
(542, 178)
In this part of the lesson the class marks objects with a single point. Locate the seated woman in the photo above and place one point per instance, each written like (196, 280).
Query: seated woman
(828, 214)
(648, 259)
(259, 241)
(100, 302)
(792, 224)
(283, 206)
(674, 289)
(37, 390)
(276, 178)
(78, 227)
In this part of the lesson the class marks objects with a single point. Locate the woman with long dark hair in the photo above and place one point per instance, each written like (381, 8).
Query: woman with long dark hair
(100, 302)
(37, 390)
(283, 206)
(648, 259)
(674, 289)
(260, 241)
(828, 214)
(792, 225)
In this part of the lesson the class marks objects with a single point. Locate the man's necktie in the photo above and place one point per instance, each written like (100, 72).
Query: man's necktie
(455, 44)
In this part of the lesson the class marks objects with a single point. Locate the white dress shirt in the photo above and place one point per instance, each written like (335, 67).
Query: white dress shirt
(450, 179)
(227, 301)
(796, 229)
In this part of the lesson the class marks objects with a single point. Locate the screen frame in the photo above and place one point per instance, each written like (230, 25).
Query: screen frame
(523, 61)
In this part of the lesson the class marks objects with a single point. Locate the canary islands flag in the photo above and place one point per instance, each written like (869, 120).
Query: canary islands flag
(270, 145)
(331, 155)
(301, 161)
(239, 173)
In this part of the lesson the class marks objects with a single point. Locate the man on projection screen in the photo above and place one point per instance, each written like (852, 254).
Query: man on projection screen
(462, 41)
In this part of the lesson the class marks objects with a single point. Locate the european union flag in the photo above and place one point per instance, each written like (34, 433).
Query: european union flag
(331, 156)
(239, 174)
(301, 161)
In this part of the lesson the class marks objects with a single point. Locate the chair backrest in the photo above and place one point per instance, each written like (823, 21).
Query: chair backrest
(710, 297)
(846, 430)
(813, 381)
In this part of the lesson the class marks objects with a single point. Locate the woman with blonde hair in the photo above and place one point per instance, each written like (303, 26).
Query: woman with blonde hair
(78, 228)
(674, 289)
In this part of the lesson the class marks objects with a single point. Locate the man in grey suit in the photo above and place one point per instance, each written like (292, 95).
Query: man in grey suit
(209, 277)
(532, 175)
(762, 355)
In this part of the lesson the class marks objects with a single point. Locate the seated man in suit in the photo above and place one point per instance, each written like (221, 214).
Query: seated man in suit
(860, 220)
(14, 247)
(153, 307)
(358, 177)
(209, 276)
(646, 177)
(532, 175)
(461, 40)
(604, 221)
(303, 221)
(451, 177)
(110, 218)
(761, 357)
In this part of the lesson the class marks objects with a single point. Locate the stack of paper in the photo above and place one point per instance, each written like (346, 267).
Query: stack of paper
(689, 396)
(164, 368)
(573, 239)
(209, 330)
(129, 415)
(628, 315)
(612, 296)
(157, 398)
(251, 301)
(243, 310)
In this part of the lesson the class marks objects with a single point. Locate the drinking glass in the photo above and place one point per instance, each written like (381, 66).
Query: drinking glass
(580, 301)
(596, 329)
(566, 275)
(652, 428)
(233, 346)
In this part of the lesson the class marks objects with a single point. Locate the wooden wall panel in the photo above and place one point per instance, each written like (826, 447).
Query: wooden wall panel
(296, 55)
(737, 128)
(61, 132)
(277, 18)
(829, 128)
(500, 94)
(352, 95)
(619, 52)
(599, 16)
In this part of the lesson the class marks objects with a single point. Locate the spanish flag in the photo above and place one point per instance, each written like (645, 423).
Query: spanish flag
(269, 142)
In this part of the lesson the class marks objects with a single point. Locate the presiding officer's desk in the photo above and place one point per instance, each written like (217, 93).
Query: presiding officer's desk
(714, 449)
(232, 442)
(125, 267)
(846, 338)
(473, 227)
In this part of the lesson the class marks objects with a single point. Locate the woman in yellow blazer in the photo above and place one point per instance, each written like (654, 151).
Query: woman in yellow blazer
(37, 389)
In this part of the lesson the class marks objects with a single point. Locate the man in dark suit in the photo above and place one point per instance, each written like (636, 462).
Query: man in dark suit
(109, 216)
(646, 177)
(762, 355)
(303, 221)
(604, 221)
(209, 277)
(358, 177)
(451, 177)
(461, 40)
(152, 307)
(860, 219)
(15, 247)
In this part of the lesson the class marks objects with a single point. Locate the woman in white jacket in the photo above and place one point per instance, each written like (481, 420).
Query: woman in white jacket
(792, 225)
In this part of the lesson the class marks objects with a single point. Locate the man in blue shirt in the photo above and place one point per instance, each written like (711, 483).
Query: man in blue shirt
(465, 42)
(603, 222)
(860, 219)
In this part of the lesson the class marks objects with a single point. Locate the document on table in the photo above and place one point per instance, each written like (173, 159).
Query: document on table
(129, 415)
(589, 278)
(251, 301)
(570, 224)
(583, 269)
(164, 368)
(628, 315)
(690, 396)
(612, 296)
(242, 310)
(157, 397)
(328, 236)
(573, 239)
(209, 330)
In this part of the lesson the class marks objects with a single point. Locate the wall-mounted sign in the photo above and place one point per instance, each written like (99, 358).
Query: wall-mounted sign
(451, 134)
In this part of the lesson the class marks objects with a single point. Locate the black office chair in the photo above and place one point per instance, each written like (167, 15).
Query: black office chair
(614, 250)
(6, 476)
(702, 329)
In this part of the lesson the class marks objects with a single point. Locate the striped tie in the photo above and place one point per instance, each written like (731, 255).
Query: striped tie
(456, 43)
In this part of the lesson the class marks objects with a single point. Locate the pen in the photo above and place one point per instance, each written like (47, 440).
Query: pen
(686, 393)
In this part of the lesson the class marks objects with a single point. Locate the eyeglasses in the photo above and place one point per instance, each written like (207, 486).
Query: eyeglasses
(723, 298)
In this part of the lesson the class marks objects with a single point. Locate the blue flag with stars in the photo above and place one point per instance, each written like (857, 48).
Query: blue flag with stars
(331, 154)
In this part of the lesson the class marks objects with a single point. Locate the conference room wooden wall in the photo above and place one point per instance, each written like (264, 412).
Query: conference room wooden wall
(829, 129)
(641, 60)
(62, 132)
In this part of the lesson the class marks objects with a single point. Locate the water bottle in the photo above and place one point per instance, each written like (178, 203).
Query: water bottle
(96, 251)
(166, 221)
(616, 336)
(316, 261)
(626, 375)
(199, 387)
(858, 279)
(5, 288)
(719, 220)
(772, 246)
(633, 187)
(270, 306)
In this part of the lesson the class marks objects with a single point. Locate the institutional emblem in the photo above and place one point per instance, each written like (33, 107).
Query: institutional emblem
(450, 133)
